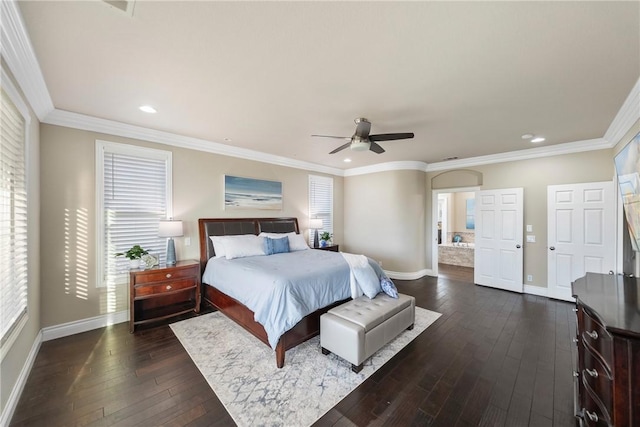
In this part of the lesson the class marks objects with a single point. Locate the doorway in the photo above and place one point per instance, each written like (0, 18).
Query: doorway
(453, 245)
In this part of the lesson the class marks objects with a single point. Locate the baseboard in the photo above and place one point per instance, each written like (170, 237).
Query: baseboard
(409, 276)
(536, 290)
(16, 391)
(84, 325)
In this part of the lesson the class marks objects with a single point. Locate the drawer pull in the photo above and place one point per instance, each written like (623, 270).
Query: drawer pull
(575, 310)
(592, 416)
(574, 339)
(168, 276)
(593, 334)
(169, 287)
(592, 372)
(576, 374)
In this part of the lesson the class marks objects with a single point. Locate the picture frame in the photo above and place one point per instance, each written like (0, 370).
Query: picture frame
(251, 193)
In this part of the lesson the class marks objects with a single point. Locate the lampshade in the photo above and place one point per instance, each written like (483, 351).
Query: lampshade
(170, 228)
(315, 223)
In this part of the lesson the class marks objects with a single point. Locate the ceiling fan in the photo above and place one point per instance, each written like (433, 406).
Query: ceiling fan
(361, 140)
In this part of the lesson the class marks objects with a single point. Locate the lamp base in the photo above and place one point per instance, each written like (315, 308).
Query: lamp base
(171, 252)
(315, 239)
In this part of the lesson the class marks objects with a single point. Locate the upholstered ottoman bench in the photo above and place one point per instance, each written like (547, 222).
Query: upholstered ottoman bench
(358, 328)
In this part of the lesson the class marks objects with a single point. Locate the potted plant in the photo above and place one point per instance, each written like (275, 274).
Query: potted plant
(325, 238)
(134, 254)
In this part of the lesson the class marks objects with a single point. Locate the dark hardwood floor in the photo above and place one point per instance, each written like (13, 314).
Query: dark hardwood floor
(494, 358)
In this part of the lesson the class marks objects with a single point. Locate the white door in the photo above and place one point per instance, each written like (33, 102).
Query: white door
(498, 253)
(581, 233)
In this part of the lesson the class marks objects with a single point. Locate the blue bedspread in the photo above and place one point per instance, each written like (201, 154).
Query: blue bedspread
(283, 288)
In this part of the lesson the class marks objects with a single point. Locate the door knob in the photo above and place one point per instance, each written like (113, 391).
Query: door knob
(552, 248)
(518, 246)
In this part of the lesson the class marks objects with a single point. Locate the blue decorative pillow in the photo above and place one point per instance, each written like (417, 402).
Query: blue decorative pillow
(276, 246)
(368, 281)
(388, 287)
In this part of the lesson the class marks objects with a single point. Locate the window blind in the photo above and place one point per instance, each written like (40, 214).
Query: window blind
(135, 197)
(321, 202)
(13, 218)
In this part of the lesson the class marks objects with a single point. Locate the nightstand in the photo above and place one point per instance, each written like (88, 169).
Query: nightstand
(332, 248)
(163, 292)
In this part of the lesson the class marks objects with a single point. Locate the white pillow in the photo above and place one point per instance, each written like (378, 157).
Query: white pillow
(247, 246)
(219, 242)
(296, 241)
(218, 246)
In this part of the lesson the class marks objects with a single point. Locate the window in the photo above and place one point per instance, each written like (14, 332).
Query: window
(13, 214)
(133, 194)
(321, 202)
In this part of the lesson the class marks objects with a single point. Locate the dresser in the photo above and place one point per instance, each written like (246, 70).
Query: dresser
(163, 292)
(607, 378)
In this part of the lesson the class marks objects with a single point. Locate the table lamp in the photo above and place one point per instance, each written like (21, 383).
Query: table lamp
(315, 224)
(170, 228)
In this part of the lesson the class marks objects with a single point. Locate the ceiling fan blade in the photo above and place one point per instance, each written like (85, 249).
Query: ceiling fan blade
(342, 147)
(346, 138)
(363, 128)
(390, 136)
(376, 148)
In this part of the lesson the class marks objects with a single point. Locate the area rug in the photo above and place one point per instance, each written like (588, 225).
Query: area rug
(242, 371)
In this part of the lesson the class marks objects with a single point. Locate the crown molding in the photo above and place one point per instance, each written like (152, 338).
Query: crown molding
(94, 124)
(628, 114)
(531, 153)
(21, 59)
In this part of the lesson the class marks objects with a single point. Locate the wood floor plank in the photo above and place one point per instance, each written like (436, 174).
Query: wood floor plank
(494, 358)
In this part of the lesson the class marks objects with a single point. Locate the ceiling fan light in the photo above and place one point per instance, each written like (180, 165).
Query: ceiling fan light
(360, 145)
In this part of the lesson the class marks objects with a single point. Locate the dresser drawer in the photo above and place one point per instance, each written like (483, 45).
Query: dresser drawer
(161, 288)
(159, 276)
(595, 337)
(592, 414)
(597, 378)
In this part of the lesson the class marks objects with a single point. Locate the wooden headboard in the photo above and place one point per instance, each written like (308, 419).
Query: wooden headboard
(234, 226)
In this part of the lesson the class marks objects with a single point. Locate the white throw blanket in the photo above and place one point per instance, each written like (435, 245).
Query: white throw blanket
(358, 264)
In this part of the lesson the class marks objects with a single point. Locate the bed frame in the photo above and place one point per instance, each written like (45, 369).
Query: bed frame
(307, 328)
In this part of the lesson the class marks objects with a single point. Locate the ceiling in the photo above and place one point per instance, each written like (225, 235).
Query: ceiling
(468, 78)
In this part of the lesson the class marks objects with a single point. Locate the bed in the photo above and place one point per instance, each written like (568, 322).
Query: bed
(306, 328)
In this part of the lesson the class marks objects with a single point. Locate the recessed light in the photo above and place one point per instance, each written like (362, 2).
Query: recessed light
(537, 139)
(450, 158)
(148, 109)
(527, 136)
(227, 139)
(347, 160)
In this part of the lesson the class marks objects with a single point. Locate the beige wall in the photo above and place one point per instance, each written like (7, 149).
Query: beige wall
(534, 176)
(68, 203)
(14, 361)
(385, 220)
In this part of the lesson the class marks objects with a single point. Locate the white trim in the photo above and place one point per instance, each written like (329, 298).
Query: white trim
(84, 325)
(18, 52)
(628, 114)
(94, 124)
(536, 290)
(531, 153)
(15, 333)
(18, 387)
(410, 275)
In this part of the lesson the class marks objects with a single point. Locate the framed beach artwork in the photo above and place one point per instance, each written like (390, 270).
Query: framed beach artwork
(249, 193)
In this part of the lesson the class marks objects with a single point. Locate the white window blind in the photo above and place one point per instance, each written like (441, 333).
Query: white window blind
(135, 191)
(13, 218)
(321, 202)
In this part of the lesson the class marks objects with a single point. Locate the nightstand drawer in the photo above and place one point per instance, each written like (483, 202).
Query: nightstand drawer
(173, 274)
(163, 292)
(162, 288)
